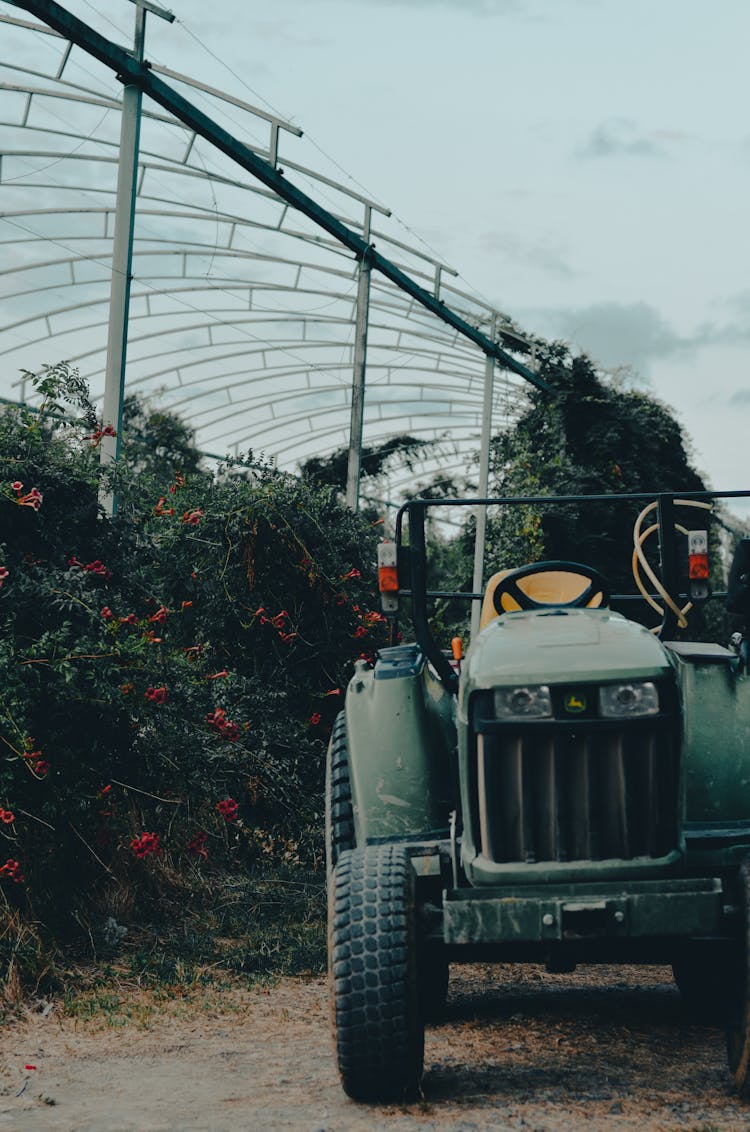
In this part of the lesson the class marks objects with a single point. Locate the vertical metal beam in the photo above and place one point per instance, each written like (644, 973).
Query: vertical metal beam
(418, 579)
(122, 260)
(354, 467)
(670, 574)
(484, 478)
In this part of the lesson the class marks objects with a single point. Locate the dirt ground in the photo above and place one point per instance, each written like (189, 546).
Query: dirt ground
(603, 1048)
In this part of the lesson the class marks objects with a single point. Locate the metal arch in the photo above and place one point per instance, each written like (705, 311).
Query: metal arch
(407, 409)
(228, 408)
(216, 215)
(282, 314)
(295, 346)
(399, 329)
(266, 349)
(196, 250)
(442, 365)
(230, 399)
(132, 71)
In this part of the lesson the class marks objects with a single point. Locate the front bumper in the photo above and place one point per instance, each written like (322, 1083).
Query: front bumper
(676, 908)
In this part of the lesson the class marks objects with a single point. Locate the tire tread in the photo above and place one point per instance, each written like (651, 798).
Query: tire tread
(338, 794)
(379, 1030)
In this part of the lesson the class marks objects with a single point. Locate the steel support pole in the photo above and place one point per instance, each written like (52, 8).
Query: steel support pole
(122, 260)
(670, 574)
(354, 467)
(484, 479)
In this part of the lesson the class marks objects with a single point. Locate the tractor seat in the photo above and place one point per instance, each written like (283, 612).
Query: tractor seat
(554, 587)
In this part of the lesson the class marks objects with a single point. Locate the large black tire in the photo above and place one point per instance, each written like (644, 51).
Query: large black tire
(433, 982)
(738, 1027)
(706, 975)
(339, 812)
(373, 973)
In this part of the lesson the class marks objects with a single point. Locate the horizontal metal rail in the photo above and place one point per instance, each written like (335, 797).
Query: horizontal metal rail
(471, 595)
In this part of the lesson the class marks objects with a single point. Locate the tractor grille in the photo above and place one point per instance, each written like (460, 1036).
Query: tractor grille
(589, 794)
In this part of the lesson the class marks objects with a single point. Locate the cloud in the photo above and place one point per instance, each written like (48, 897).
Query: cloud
(543, 254)
(741, 303)
(621, 137)
(633, 335)
(733, 333)
(619, 334)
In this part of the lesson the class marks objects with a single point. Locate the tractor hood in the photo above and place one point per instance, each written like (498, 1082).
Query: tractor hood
(559, 646)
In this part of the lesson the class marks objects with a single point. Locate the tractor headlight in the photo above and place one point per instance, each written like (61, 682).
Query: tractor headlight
(523, 703)
(626, 701)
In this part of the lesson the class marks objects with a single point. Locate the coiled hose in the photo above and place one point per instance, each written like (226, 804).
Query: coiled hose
(639, 563)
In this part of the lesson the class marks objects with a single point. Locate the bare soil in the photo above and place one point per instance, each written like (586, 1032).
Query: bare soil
(603, 1048)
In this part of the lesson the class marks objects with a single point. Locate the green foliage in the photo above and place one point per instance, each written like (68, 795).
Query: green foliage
(167, 678)
(331, 471)
(156, 442)
(589, 438)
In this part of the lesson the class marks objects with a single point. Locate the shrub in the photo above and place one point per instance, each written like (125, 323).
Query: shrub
(167, 677)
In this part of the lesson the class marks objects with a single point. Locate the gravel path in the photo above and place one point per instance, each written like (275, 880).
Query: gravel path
(605, 1048)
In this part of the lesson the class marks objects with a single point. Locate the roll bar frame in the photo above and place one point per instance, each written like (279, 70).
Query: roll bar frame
(412, 555)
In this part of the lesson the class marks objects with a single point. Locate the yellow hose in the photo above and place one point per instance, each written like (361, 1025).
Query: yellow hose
(639, 562)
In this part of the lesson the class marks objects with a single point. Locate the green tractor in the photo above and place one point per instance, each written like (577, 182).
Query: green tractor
(576, 790)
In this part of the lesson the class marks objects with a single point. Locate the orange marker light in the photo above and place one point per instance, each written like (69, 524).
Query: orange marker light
(698, 567)
(388, 579)
(388, 576)
(457, 648)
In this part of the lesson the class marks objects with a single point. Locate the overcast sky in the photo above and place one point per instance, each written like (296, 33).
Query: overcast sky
(584, 164)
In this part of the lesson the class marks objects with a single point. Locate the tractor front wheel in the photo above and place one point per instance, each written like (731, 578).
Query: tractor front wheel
(338, 797)
(373, 974)
(433, 982)
(706, 976)
(738, 1028)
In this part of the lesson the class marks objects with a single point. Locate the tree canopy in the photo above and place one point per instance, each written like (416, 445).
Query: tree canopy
(589, 437)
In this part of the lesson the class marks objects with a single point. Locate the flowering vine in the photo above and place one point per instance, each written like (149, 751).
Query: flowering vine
(227, 728)
(147, 845)
(157, 695)
(99, 433)
(228, 809)
(220, 574)
(196, 846)
(39, 766)
(12, 870)
(31, 498)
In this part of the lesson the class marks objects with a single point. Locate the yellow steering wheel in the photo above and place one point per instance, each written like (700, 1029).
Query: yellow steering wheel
(596, 587)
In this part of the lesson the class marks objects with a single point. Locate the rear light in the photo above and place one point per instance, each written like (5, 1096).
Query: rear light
(388, 579)
(698, 564)
(388, 576)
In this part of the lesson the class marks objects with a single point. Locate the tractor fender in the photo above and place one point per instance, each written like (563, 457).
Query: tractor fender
(401, 742)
